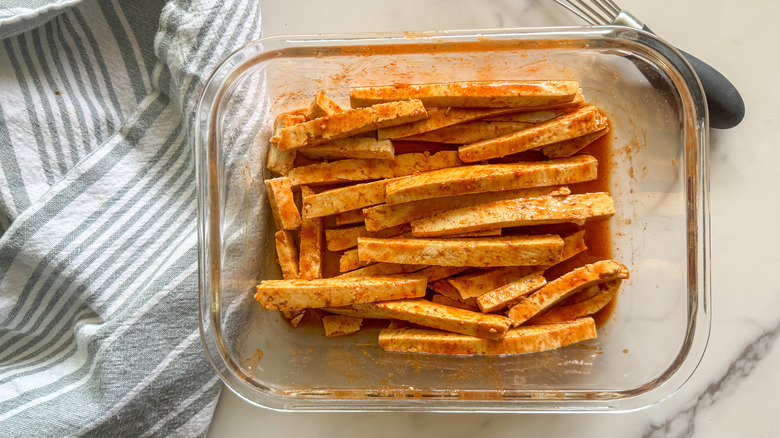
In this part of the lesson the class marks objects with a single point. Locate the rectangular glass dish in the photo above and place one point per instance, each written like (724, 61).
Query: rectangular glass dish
(658, 177)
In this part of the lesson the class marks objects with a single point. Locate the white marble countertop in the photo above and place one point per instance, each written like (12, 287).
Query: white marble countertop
(732, 392)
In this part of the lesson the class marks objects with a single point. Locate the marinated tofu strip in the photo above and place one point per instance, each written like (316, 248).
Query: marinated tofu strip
(534, 117)
(491, 177)
(440, 118)
(334, 292)
(355, 169)
(583, 295)
(477, 252)
(279, 161)
(382, 269)
(487, 284)
(565, 286)
(510, 294)
(484, 233)
(407, 164)
(443, 287)
(447, 301)
(351, 312)
(294, 317)
(604, 293)
(338, 325)
(517, 212)
(345, 199)
(312, 236)
(284, 120)
(280, 197)
(338, 239)
(366, 194)
(481, 282)
(322, 106)
(527, 339)
(352, 147)
(350, 122)
(567, 148)
(469, 132)
(349, 261)
(385, 216)
(287, 254)
(573, 244)
(435, 273)
(428, 314)
(583, 121)
(470, 94)
(350, 217)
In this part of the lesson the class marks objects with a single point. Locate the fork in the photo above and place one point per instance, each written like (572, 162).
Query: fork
(725, 105)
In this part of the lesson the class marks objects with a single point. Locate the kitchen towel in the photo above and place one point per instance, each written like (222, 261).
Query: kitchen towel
(98, 247)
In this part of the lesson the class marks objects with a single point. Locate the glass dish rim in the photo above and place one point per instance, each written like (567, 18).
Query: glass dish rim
(697, 190)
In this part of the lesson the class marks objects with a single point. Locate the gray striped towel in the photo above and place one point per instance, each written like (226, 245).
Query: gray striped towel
(98, 284)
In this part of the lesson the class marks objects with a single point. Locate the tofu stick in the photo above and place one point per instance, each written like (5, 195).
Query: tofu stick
(527, 339)
(350, 217)
(356, 169)
(470, 94)
(282, 161)
(443, 287)
(385, 216)
(382, 269)
(447, 301)
(564, 286)
(407, 164)
(575, 124)
(352, 147)
(333, 292)
(515, 213)
(510, 294)
(535, 117)
(430, 314)
(567, 148)
(477, 252)
(604, 293)
(491, 177)
(365, 169)
(322, 106)
(345, 199)
(280, 197)
(469, 132)
(350, 122)
(483, 233)
(287, 254)
(435, 273)
(338, 239)
(440, 118)
(339, 325)
(349, 261)
(310, 266)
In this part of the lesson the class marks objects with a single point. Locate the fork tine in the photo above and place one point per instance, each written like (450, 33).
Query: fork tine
(601, 14)
(613, 6)
(603, 5)
(578, 11)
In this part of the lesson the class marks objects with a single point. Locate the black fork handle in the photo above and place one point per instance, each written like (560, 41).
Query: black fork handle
(724, 103)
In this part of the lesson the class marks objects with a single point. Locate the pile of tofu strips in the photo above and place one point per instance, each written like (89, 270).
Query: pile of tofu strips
(437, 200)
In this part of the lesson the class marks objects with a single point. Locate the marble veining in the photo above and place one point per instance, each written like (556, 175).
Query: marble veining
(683, 423)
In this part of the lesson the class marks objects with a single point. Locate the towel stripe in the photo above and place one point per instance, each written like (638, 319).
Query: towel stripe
(29, 105)
(66, 293)
(12, 174)
(98, 314)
